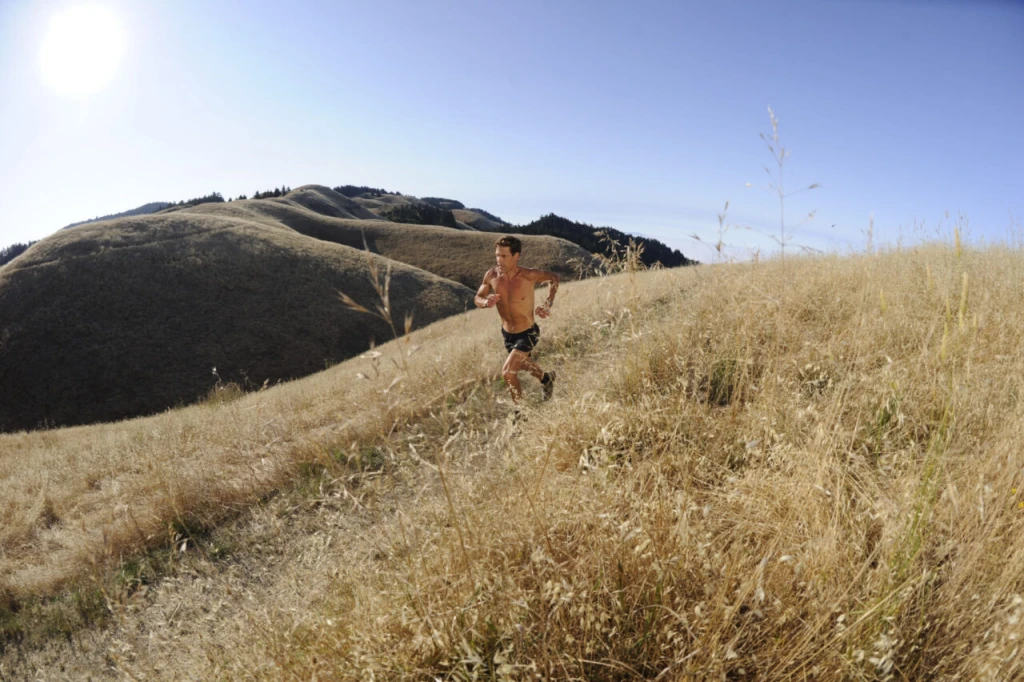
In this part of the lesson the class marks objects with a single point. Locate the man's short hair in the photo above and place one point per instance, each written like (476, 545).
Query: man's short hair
(513, 244)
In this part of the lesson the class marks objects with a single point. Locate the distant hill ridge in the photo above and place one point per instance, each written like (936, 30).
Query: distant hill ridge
(379, 203)
(9, 253)
(461, 255)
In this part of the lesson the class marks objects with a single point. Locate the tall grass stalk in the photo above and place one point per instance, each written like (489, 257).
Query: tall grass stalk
(776, 181)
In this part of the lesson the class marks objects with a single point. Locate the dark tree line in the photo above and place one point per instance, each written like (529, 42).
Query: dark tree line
(212, 198)
(359, 190)
(444, 204)
(420, 214)
(9, 253)
(270, 193)
(611, 243)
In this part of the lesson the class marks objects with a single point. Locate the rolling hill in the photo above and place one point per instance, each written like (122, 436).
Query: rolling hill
(129, 317)
(459, 255)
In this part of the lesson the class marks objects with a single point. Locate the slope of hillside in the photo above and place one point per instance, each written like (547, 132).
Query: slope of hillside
(798, 470)
(145, 209)
(477, 221)
(130, 317)
(459, 255)
(326, 201)
(379, 202)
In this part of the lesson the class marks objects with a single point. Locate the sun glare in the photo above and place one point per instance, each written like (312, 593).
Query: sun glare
(82, 49)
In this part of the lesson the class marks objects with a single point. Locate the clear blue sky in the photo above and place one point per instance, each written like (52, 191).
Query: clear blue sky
(640, 115)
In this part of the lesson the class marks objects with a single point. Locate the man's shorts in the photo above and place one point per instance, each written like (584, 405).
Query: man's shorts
(523, 341)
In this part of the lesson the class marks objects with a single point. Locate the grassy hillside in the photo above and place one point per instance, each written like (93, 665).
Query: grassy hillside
(329, 203)
(130, 317)
(460, 255)
(799, 470)
(477, 221)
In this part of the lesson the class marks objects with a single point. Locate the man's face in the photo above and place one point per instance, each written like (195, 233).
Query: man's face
(506, 261)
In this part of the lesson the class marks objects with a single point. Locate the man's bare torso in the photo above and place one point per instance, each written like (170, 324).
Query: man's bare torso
(517, 298)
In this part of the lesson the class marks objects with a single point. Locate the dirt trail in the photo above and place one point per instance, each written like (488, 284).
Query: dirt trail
(290, 551)
(293, 550)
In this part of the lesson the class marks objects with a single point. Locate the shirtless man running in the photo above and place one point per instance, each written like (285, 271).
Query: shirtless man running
(510, 288)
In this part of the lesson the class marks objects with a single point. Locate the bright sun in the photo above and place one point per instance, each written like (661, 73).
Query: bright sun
(82, 49)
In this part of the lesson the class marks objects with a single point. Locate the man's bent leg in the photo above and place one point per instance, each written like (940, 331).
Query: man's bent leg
(533, 368)
(510, 372)
(546, 379)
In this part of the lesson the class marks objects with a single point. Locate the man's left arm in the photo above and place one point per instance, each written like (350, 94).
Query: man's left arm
(544, 309)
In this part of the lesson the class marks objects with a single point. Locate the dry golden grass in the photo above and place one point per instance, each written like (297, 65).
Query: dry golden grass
(799, 470)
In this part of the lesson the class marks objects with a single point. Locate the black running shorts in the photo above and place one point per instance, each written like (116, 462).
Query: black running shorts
(523, 341)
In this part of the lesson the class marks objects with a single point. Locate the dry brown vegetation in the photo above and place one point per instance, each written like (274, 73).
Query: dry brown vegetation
(798, 470)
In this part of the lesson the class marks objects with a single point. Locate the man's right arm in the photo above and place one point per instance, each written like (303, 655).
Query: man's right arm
(483, 297)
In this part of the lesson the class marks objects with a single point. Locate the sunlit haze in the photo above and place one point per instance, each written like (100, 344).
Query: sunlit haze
(81, 50)
(644, 117)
